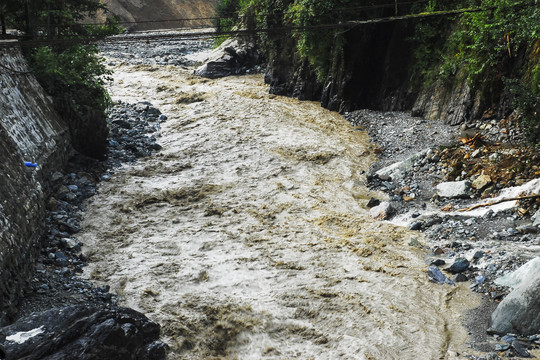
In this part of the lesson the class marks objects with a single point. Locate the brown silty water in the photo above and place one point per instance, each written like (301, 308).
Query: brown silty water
(247, 236)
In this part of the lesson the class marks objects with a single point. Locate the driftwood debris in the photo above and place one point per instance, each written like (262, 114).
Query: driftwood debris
(501, 201)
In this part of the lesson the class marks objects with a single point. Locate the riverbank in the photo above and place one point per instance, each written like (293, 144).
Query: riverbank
(495, 240)
(332, 263)
(247, 236)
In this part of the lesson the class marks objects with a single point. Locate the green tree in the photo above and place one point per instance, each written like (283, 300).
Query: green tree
(69, 69)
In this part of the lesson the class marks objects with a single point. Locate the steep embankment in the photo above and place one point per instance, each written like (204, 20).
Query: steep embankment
(377, 66)
(375, 73)
(159, 14)
(30, 130)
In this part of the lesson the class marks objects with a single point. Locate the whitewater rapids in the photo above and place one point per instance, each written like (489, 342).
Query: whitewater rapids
(248, 236)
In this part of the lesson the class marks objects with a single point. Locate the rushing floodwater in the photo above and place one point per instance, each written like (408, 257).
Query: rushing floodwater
(247, 237)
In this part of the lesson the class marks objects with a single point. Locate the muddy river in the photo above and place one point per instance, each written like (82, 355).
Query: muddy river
(248, 236)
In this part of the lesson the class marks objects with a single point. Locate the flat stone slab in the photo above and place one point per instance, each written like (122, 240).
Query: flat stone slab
(454, 189)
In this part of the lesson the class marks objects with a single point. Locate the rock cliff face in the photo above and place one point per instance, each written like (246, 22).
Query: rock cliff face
(375, 73)
(160, 14)
(30, 131)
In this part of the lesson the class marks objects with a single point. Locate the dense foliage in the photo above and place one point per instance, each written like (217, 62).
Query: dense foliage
(68, 68)
(305, 20)
(483, 46)
(480, 44)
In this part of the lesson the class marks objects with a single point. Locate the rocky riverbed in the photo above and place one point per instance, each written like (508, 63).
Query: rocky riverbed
(475, 247)
(209, 307)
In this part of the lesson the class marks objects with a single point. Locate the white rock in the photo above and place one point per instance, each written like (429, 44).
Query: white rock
(454, 189)
(381, 211)
(23, 336)
(519, 312)
(514, 279)
(536, 218)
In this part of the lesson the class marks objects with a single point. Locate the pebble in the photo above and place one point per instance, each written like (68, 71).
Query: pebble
(438, 262)
(460, 278)
(480, 279)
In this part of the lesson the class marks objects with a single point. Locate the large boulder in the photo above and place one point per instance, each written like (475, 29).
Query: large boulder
(519, 312)
(454, 189)
(233, 57)
(83, 333)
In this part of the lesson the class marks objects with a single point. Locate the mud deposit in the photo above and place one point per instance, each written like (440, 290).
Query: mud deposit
(248, 237)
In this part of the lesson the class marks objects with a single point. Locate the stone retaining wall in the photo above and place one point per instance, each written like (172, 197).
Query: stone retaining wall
(30, 130)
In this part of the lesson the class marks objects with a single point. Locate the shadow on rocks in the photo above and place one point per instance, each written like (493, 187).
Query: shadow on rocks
(80, 332)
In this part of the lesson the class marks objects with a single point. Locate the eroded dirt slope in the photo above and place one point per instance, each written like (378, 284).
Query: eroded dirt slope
(247, 237)
(158, 14)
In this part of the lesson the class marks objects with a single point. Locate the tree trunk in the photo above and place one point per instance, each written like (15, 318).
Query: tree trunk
(3, 23)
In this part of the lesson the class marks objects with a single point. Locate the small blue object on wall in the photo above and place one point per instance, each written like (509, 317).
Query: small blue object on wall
(30, 164)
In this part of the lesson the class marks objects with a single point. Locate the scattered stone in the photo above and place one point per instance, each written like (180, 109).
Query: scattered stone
(71, 244)
(61, 259)
(438, 262)
(478, 255)
(479, 279)
(502, 347)
(373, 202)
(122, 123)
(475, 153)
(417, 225)
(438, 251)
(460, 278)
(508, 338)
(520, 350)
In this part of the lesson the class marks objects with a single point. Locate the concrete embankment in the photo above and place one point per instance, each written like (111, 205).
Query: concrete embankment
(30, 131)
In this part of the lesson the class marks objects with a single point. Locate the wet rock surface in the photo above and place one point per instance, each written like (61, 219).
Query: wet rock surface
(450, 170)
(233, 57)
(82, 332)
